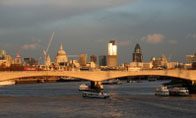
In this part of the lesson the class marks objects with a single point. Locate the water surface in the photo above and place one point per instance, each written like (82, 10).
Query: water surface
(62, 100)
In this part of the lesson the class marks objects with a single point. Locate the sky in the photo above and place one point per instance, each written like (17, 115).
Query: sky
(86, 26)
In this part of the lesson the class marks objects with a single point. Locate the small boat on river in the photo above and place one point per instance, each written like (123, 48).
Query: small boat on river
(7, 83)
(84, 87)
(162, 91)
(178, 91)
(94, 94)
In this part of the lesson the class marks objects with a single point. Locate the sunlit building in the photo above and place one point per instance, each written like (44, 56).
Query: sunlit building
(160, 62)
(83, 59)
(5, 59)
(61, 57)
(112, 58)
(18, 60)
(93, 58)
(190, 58)
(190, 61)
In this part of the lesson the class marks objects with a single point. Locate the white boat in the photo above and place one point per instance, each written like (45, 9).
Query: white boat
(6, 83)
(92, 94)
(162, 91)
(84, 87)
(179, 91)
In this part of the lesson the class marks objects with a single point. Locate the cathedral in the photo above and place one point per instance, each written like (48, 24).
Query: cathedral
(61, 57)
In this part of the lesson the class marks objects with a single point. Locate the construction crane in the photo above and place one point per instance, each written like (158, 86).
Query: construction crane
(48, 47)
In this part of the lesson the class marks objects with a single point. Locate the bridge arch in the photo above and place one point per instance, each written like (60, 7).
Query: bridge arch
(99, 75)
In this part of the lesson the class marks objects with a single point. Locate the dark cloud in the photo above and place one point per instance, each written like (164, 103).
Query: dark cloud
(87, 25)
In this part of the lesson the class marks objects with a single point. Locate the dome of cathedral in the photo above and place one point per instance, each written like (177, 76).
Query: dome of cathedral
(61, 56)
(61, 51)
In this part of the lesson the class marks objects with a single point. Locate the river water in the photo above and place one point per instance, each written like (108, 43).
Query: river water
(63, 100)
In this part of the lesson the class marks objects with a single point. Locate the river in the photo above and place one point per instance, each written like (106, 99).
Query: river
(63, 100)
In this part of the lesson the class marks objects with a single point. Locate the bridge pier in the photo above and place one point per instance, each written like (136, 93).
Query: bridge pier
(194, 82)
(96, 85)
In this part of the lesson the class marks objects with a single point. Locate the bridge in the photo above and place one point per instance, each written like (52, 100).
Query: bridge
(98, 76)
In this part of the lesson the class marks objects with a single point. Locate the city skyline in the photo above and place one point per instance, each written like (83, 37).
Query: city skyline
(160, 27)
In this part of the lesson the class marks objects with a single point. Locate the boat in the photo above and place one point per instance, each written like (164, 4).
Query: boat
(94, 94)
(84, 87)
(6, 83)
(178, 91)
(111, 82)
(162, 91)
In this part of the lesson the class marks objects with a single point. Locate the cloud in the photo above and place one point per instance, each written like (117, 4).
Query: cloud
(172, 42)
(154, 38)
(191, 36)
(31, 46)
(67, 3)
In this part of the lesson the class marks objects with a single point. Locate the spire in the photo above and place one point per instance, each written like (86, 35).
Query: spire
(137, 48)
(61, 46)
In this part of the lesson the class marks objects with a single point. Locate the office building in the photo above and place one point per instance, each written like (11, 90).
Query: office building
(112, 58)
(137, 54)
(83, 59)
(102, 60)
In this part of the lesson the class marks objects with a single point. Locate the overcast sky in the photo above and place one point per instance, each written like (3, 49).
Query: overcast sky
(86, 26)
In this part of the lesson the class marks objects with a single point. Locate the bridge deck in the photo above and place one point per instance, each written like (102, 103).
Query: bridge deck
(99, 75)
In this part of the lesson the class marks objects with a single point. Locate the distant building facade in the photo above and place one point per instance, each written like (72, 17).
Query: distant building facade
(29, 61)
(190, 61)
(190, 58)
(18, 60)
(163, 63)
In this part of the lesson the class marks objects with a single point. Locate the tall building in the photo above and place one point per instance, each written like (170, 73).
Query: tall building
(102, 60)
(83, 59)
(61, 57)
(112, 58)
(112, 48)
(137, 54)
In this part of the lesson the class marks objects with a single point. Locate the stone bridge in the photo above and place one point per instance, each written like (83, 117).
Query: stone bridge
(98, 76)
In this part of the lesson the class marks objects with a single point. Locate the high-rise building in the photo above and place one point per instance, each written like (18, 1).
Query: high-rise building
(102, 60)
(112, 48)
(137, 54)
(83, 59)
(112, 58)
